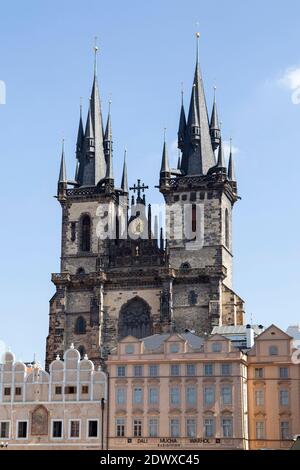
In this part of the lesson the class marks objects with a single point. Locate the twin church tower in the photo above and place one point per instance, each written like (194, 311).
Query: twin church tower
(132, 280)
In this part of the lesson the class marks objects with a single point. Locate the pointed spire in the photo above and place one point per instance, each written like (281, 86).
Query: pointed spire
(214, 126)
(156, 227)
(221, 160)
(193, 120)
(108, 131)
(182, 125)
(198, 159)
(80, 135)
(161, 242)
(149, 222)
(231, 173)
(108, 148)
(165, 168)
(124, 182)
(62, 172)
(93, 165)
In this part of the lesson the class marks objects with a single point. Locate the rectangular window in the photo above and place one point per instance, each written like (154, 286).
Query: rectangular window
(191, 427)
(18, 391)
(120, 427)
(22, 429)
(208, 369)
(7, 391)
(85, 389)
(57, 427)
(137, 396)
(153, 371)
(70, 390)
(58, 390)
(93, 428)
(137, 371)
(191, 395)
(174, 427)
(260, 429)
(284, 397)
(175, 396)
(283, 372)
(137, 427)
(194, 218)
(153, 427)
(226, 369)
(227, 427)
(284, 430)
(75, 428)
(209, 427)
(153, 396)
(259, 373)
(4, 429)
(191, 370)
(175, 370)
(209, 396)
(121, 371)
(259, 397)
(121, 396)
(226, 394)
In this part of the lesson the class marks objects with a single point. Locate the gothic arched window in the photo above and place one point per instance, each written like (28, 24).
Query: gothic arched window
(85, 233)
(81, 350)
(226, 228)
(192, 297)
(80, 326)
(135, 319)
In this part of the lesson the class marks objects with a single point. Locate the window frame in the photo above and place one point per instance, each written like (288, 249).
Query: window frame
(5, 421)
(17, 428)
(54, 420)
(71, 420)
(88, 428)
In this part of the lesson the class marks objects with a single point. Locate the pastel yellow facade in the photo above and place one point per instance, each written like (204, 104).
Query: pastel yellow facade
(273, 391)
(177, 392)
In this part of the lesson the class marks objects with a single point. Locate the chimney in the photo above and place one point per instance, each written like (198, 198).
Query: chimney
(249, 336)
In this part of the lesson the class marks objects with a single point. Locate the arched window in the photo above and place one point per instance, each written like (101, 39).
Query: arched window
(80, 326)
(80, 271)
(81, 350)
(85, 233)
(226, 228)
(192, 297)
(135, 319)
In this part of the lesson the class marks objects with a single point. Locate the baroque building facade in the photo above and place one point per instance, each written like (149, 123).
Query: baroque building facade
(120, 274)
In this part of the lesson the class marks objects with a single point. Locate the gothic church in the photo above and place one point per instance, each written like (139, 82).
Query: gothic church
(141, 282)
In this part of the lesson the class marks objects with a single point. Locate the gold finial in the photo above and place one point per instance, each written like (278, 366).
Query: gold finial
(197, 43)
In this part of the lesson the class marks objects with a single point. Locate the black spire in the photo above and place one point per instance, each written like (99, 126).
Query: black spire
(214, 127)
(198, 154)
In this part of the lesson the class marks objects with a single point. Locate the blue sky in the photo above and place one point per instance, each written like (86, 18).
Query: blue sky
(249, 50)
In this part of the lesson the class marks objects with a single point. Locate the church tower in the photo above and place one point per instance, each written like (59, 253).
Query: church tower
(200, 195)
(119, 274)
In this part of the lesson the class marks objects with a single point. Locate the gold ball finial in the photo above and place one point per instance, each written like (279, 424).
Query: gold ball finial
(197, 35)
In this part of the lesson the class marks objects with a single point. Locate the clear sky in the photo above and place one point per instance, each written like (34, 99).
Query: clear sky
(250, 50)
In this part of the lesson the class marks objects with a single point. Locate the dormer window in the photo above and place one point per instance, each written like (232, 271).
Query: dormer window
(174, 348)
(273, 351)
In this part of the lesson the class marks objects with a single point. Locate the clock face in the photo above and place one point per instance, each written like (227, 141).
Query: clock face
(137, 227)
